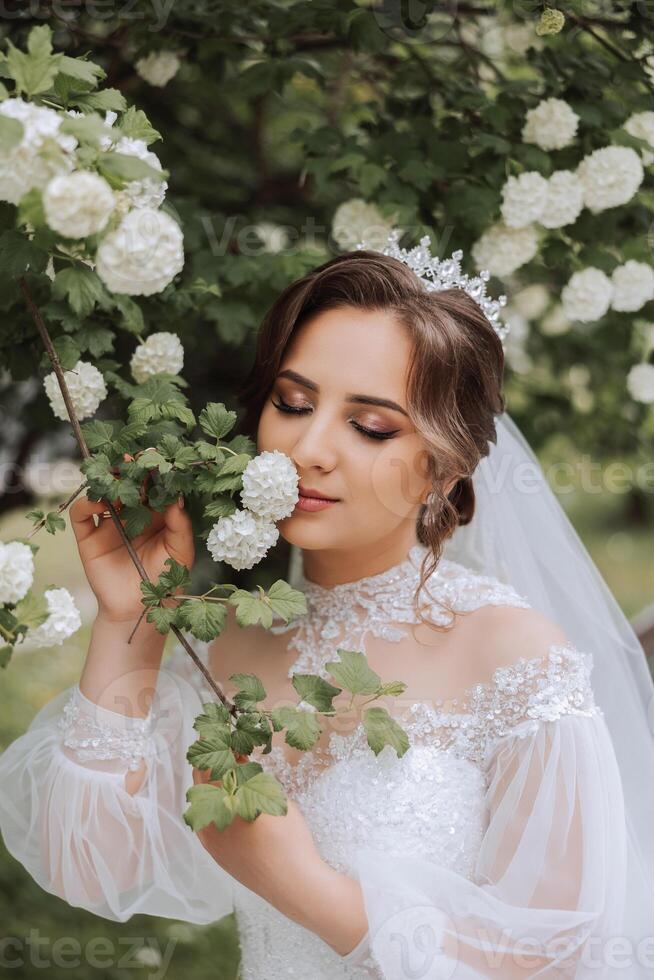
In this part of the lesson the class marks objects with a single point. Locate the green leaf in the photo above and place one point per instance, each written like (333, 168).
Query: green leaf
(104, 100)
(136, 124)
(353, 673)
(121, 168)
(252, 728)
(261, 794)
(97, 470)
(209, 804)
(152, 459)
(68, 351)
(131, 314)
(32, 610)
(135, 519)
(30, 207)
(302, 728)
(5, 655)
(177, 576)
(221, 506)
(392, 687)
(81, 287)
(98, 434)
(54, 522)
(216, 420)
(35, 516)
(19, 255)
(250, 690)
(251, 609)
(382, 730)
(205, 620)
(11, 133)
(286, 601)
(152, 594)
(162, 617)
(315, 690)
(212, 752)
(90, 128)
(214, 721)
(79, 68)
(234, 464)
(36, 70)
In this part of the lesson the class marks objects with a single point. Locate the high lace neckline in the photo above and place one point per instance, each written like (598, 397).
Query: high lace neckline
(408, 564)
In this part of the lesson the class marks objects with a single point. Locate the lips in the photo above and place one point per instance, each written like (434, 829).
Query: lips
(314, 494)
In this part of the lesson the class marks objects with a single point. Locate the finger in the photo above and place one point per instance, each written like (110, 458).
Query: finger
(178, 534)
(81, 516)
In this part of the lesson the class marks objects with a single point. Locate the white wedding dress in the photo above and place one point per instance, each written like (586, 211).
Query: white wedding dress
(500, 830)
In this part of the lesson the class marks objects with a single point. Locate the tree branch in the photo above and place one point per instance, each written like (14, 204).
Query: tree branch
(84, 449)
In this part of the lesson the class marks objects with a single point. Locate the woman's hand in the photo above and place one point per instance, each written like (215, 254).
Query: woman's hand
(254, 852)
(109, 569)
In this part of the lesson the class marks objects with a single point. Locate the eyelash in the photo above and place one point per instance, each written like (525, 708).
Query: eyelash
(368, 433)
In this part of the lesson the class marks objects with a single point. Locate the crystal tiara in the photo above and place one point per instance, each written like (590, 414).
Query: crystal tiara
(437, 275)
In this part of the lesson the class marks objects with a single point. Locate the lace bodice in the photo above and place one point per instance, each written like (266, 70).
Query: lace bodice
(433, 801)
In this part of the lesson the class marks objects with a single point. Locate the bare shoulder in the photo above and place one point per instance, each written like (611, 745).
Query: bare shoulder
(504, 634)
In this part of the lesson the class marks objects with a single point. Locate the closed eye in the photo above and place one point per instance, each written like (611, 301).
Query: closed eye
(368, 433)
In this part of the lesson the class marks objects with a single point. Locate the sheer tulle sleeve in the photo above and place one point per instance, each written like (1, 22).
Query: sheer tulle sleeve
(548, 889)
(66, 815)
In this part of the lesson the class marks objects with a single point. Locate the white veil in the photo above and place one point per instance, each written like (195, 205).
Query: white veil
(521, 534)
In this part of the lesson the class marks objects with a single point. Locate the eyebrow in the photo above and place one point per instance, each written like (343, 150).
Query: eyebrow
(359, 399)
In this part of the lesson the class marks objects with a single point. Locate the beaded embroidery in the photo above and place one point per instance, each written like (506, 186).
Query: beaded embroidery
(343, 614)
(90, 740)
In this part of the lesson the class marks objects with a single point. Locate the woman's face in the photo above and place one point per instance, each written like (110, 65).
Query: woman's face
(323, 412)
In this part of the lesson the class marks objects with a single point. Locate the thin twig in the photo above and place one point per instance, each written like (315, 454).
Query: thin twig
(84, 449)
(66, 503)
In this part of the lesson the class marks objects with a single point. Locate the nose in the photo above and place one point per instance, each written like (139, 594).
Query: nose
(316, 446)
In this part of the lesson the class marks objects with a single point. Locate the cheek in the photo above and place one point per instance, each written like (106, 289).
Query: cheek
(399, 476)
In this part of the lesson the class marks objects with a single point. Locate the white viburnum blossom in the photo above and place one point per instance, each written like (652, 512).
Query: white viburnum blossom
(142, 255)
(160, 352)
(587, 295)
(555, 323)
(523, 199)
(640, 383)
(641, 125)
(610, 176)
(357, 221)
(633, 286)
(565, 199)
(242, 539)
(63, 620)
(158, 67)
(552, 124)
(273, 238)
(86, 386)
(502, 250)
(531, 301)
(42, 152)
(270, 485)
(16, 571)
(79, 204)
(149, 192)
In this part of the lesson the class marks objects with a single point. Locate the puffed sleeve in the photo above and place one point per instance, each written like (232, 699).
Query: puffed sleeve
(66, 815)
(548, 888)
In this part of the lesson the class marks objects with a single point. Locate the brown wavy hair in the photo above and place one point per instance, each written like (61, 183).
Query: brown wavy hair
(455, 377)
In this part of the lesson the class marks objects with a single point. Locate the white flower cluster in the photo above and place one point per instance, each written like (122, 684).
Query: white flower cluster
(551, 125)
(552, 202)
(79, 204)
(641, 125)
(640, 383)
(16, 571)
(142, 255)
(610, 177)
(149, 192)
(158, 67)
(590, 292)
(86, 386)
(42, 152)
(161, 352)
(269, 494)
(356, 220)
(502, 249)
(63, 620)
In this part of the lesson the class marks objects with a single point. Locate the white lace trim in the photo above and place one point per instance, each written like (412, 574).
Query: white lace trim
(341, 615)
(91, 739)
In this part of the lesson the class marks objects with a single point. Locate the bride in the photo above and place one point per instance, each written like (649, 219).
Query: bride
(513, 838)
